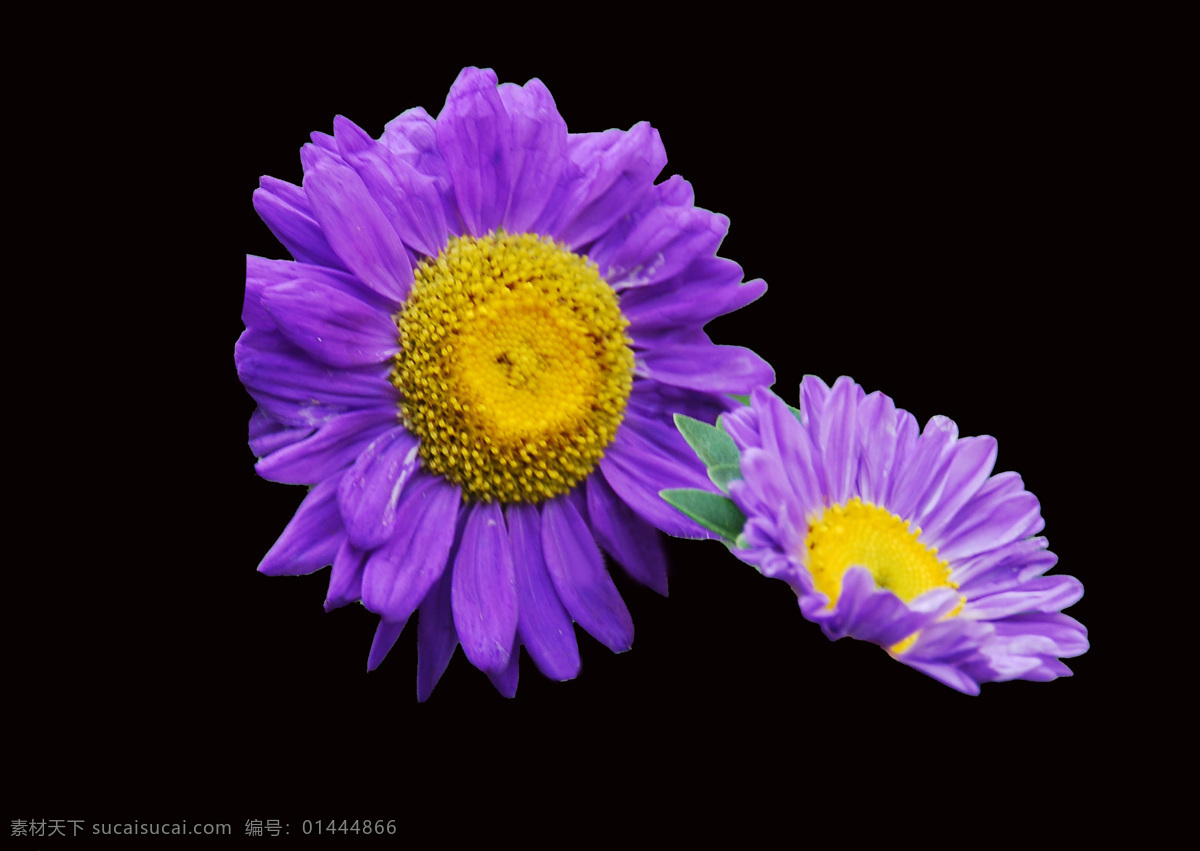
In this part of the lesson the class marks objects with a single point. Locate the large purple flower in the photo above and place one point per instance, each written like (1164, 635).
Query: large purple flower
(894, 537)
(473, 361)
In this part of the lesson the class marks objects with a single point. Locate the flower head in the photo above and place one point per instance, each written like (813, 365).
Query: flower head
(901, 538)
(473, 360)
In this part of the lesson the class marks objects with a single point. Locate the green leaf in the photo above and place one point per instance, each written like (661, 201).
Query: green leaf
(796, 414)
(738, 397)
(711, 510)
(723, 474)
(713, 446)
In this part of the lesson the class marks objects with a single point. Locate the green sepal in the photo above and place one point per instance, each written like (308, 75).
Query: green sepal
(712, 511)
(723, 474)
(738, 397)
(713, 445)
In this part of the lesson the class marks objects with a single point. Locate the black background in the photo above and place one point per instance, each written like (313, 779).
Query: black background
(930, 220)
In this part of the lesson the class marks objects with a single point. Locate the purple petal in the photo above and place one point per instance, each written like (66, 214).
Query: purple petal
(997, 516)
(436, 638)
(971, 462)
(952, 641)
(409, 200)
(638, 468)
(356, 228)
(1003, 568)
(313, 536)
(584, 154)
(946, 674)
(584, 586)
(869, 613)
(331, 326)
(813, 393)
(662, 245)
(714, 369)
(325, 142)
(631, 541)
(260, 273)
(291, 387)
(543, 624)
(878, 428)
(789, 444)
(908, 433)
(675, 192)
(765, 491)
(285, 209)
(399, 574)
(412, 138)
(370, 490)
(474, 135)
(950, 652)
(483, 590)
(613, 170)
(743, 424)
(708, 288)
(267, 435)
(837, 439)
(1050, 633)
(345, 579)
(920, 473)
(539, 147)
(334, 446)
(998, 665)
(659, 403)
(1050, 669)
(296, 391)
(1044, 594)
(385, 638)
(263, 274)
(505, 680)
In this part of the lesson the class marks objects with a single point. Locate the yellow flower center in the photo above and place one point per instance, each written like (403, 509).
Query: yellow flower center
(514, 366)
(859, 533)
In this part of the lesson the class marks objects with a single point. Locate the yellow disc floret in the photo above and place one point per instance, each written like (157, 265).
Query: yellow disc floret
(859, 533)
(514, 366)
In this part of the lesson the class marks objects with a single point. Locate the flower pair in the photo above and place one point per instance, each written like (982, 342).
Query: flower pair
(475, 361)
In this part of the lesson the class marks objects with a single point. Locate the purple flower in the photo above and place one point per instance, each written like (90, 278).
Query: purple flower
(473, 362)
(902, 539)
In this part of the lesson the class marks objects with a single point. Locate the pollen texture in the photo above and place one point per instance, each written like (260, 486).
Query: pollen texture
(859, 533)
(514, 366)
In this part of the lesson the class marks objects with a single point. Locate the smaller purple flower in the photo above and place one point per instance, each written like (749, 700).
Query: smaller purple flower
(888, 534)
